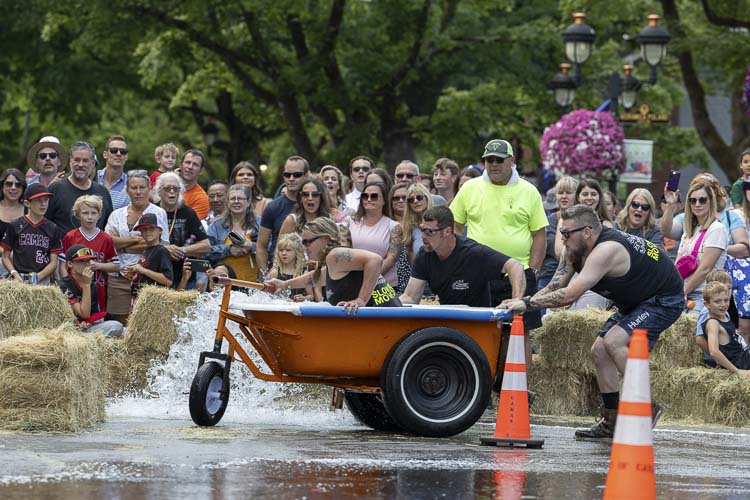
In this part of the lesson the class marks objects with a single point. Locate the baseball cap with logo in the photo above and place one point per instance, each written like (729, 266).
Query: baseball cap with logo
(35, 191)
(146, 220)
(79, 252)
(499, 148)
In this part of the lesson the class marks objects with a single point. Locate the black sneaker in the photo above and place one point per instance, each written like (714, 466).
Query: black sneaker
(604, 429)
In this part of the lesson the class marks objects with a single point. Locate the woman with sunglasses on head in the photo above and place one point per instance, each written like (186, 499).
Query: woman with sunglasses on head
(638, 217)
(11, 202)
(312, 202)
(351, 277)
(234, 235)
(705, 238)
(248, 174)
(375, 231)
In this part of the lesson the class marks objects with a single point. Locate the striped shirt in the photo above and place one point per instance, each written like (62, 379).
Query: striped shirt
(117, 192)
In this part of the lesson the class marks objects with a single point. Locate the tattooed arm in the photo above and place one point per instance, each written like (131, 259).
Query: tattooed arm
(562, 291)
(341, 261)
(394, 247)
(562, 276)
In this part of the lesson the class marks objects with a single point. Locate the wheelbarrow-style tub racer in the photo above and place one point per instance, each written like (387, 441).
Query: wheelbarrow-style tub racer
(427, 370)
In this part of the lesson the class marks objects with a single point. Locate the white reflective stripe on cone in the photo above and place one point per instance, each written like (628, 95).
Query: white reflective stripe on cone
(638, 389)
(514, 381)
(516, 350)
(634, 431)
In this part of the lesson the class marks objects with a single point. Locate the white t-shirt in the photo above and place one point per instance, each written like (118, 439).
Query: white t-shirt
(352, 200)
(119, 220)
(716, 237)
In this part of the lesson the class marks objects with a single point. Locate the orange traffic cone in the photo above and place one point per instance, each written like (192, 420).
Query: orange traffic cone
(631, 465)
(512, 426)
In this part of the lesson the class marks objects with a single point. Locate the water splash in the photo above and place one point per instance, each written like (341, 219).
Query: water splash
(251, 399)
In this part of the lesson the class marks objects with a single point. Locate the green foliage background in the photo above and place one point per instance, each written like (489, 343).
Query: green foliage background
(331, 79)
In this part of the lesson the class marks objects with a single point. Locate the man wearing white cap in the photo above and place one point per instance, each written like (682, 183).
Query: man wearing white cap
(47, 159)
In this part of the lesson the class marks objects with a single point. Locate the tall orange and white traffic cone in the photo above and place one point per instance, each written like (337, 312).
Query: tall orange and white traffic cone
(512, 427)
(631, 464)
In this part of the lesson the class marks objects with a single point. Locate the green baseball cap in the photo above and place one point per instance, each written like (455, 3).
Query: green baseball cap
(499, 148)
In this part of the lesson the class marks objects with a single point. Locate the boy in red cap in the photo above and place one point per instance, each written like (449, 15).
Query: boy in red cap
(32, 243)
(154, 267)
(82, 293)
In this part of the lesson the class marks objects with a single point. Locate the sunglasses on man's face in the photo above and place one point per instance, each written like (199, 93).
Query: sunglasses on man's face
(360, 169)
(296, 175)
(416, 198)
(494, 159)
(565, 233)
(643, 206)
(405, 176)
(122, 151)
(700, 200)
(430, 232)
(44, 156)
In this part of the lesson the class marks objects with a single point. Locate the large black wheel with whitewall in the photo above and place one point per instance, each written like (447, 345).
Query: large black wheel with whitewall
(208, 401)
(436, 382)
(368, 408)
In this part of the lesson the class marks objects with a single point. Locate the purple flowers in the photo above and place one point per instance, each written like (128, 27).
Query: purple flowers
(745, 98)
(583, 141)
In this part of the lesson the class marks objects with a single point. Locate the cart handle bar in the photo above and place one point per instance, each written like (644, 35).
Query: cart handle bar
(240, 283)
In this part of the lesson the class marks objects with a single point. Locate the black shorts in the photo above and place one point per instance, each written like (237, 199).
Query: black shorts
(653, 315)
(501, 290)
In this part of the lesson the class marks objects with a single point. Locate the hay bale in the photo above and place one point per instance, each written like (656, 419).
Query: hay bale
(703, 395)
(676, 346)
(52, 380)
(563, 392)
(150, 334)
(24, 306)
(151, 327)
(565, 338)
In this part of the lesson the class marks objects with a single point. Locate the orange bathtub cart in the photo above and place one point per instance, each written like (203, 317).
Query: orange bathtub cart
(427, 370)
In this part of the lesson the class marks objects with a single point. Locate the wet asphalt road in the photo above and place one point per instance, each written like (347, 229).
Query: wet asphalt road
(315, 454)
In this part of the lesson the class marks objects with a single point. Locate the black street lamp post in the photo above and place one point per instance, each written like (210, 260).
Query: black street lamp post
(578, 40)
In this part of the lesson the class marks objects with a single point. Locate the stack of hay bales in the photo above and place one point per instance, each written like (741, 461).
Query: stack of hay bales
(51, 376)
(563, 374)
(150, 334)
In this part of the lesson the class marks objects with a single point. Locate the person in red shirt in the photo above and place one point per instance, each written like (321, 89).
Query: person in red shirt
(87, 209)
(82, 294)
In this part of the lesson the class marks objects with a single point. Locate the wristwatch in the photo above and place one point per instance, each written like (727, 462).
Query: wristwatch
(527, 302)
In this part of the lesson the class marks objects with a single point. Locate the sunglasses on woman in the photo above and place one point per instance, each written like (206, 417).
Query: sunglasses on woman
(643, 206)
(310, 194)
(416, 198)
(371, 196)
(700, 200)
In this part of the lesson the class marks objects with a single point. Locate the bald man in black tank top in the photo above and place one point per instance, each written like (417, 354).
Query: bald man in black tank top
(633, 273)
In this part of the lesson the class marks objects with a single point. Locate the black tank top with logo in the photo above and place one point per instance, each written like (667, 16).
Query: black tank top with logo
(292, 291)
(651, 272)
(736, 350)
(347, 288)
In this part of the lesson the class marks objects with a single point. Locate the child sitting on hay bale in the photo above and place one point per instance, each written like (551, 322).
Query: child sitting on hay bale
(723, 277)
(726, 346)
(83, 294)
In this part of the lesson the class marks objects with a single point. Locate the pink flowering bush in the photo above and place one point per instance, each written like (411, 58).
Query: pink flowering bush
(583, 141)
(745, 98)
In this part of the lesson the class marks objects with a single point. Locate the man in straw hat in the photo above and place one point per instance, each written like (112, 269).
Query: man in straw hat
(47, 159)
(635, 274)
